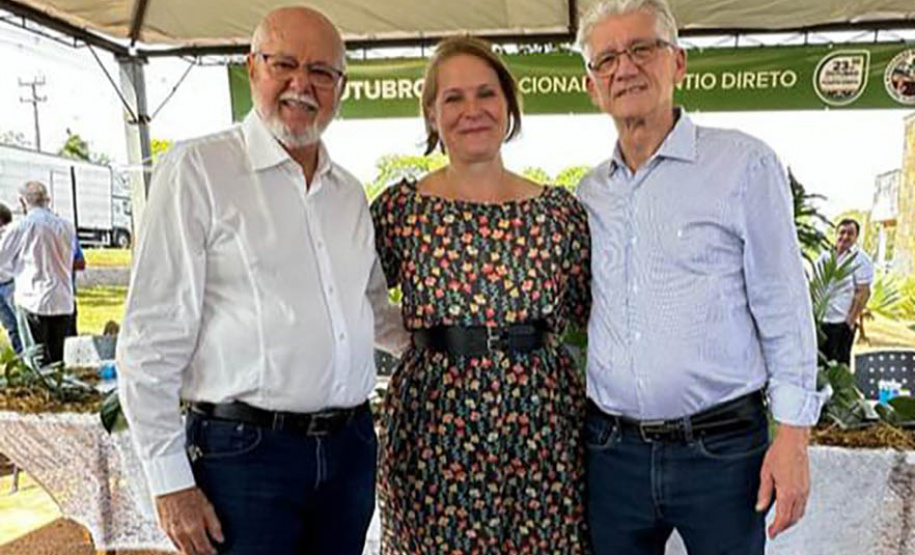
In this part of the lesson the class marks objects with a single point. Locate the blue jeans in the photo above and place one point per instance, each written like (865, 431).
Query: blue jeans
(8, 315)
(705, 487)
(286, 492)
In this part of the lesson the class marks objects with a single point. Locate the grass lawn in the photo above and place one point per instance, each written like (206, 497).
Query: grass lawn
(98, 305)
(107, 258)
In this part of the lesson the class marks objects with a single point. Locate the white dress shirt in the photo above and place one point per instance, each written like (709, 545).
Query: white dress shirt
(248, 286)
(38, 250)
(843, 293)
(699, 293)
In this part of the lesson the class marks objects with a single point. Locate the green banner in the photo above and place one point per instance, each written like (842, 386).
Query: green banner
(718, 79)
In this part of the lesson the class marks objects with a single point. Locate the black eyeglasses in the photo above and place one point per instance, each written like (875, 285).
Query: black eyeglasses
(285, 67)
(639, 53)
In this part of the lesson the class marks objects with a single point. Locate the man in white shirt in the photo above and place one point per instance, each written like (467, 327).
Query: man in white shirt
(255, 297)
(38, 250)
(849, 297)
(7, 288)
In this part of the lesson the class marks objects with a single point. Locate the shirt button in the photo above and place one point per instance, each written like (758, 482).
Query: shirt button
(637, 335)
(330, 289)
(320, 244)
(635, 288)
(634, 240)
(341, 337)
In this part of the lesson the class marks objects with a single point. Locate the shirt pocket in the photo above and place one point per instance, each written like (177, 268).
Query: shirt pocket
(701, 245)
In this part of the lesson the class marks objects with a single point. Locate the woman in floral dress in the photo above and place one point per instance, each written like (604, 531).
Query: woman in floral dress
(481, 446)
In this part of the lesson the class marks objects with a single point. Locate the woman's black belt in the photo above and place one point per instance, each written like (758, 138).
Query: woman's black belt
(475, 341)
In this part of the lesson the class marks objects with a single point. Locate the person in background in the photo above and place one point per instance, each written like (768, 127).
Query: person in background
(848, 298)
(38, 250)
(701, 312)
(7, 288)
(79, 264)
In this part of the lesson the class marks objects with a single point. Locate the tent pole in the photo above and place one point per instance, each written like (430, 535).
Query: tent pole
(139, 151)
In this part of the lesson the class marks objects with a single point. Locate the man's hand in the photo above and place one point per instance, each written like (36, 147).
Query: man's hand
(189, 521)
(786, 474)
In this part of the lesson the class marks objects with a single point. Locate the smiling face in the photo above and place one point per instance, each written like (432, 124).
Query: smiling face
(846, 236)
(633, 91)
(294, 110)
(469, 109)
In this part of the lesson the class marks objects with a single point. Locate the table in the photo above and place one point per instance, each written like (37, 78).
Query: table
(95, 478)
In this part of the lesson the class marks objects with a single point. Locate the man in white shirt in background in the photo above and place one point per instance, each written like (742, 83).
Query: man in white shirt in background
(255, 297)
(38, 250)
(849, 296)
(7, 288)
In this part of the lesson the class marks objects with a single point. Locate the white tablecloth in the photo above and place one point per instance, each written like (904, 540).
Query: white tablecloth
(94, 477)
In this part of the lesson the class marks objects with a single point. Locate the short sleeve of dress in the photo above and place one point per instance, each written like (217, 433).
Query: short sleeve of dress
(576, 264)
(387, 212)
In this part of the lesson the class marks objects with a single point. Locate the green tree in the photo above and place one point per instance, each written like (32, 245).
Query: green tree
(571, 176)
(537, 175)
(808, 220)
(393, 168)
(77, 148)
(159, 147)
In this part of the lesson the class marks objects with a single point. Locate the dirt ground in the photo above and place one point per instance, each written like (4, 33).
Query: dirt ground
(61, 537)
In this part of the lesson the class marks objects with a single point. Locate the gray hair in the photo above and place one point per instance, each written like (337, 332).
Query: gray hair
(664, 19)
(35, 194)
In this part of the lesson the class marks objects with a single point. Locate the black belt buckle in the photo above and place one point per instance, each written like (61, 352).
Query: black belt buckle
(653, 431)
(321, 424)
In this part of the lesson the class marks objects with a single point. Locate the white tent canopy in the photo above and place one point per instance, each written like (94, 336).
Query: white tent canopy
(210, 25)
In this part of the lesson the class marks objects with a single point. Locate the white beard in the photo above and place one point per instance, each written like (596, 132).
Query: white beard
(287, 138)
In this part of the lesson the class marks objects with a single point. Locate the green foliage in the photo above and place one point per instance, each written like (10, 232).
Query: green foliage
(824, 279)
(26, 372)
(571, 176)
(808, 220)
(885, 298)
(846, 407)
(77, 148)
(159, 147)
(111, 414)
(395, 167)
(537, 175)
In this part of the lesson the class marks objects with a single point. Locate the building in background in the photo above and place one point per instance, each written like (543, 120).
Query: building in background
(904, 251)
(884, 214)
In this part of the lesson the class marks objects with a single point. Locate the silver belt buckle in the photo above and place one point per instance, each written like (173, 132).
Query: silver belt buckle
(492, 339)
(651, 426)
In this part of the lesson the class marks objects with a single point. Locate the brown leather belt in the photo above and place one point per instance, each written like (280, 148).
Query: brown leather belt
(312, 423)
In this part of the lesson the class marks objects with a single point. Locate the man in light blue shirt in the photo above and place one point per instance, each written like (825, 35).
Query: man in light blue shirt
(701, 314)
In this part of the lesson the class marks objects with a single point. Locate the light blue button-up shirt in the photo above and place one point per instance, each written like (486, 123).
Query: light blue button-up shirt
(699, 291)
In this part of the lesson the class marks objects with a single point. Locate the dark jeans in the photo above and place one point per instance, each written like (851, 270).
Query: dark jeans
(8, 315)
(285, 492)
(838, 342)
(49, 331)
(706, 488)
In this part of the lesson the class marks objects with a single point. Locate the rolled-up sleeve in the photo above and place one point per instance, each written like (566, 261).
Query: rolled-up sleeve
(777, 293)
(162, 318)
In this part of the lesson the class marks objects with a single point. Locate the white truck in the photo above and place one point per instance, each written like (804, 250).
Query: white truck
(92, 196)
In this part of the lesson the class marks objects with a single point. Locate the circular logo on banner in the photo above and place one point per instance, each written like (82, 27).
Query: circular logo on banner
(841, 76)
(899, 78)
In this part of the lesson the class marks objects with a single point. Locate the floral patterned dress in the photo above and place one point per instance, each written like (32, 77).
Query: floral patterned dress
(484, 455)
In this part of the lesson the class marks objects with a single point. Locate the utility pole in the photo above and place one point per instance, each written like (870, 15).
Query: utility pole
(34, 99)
